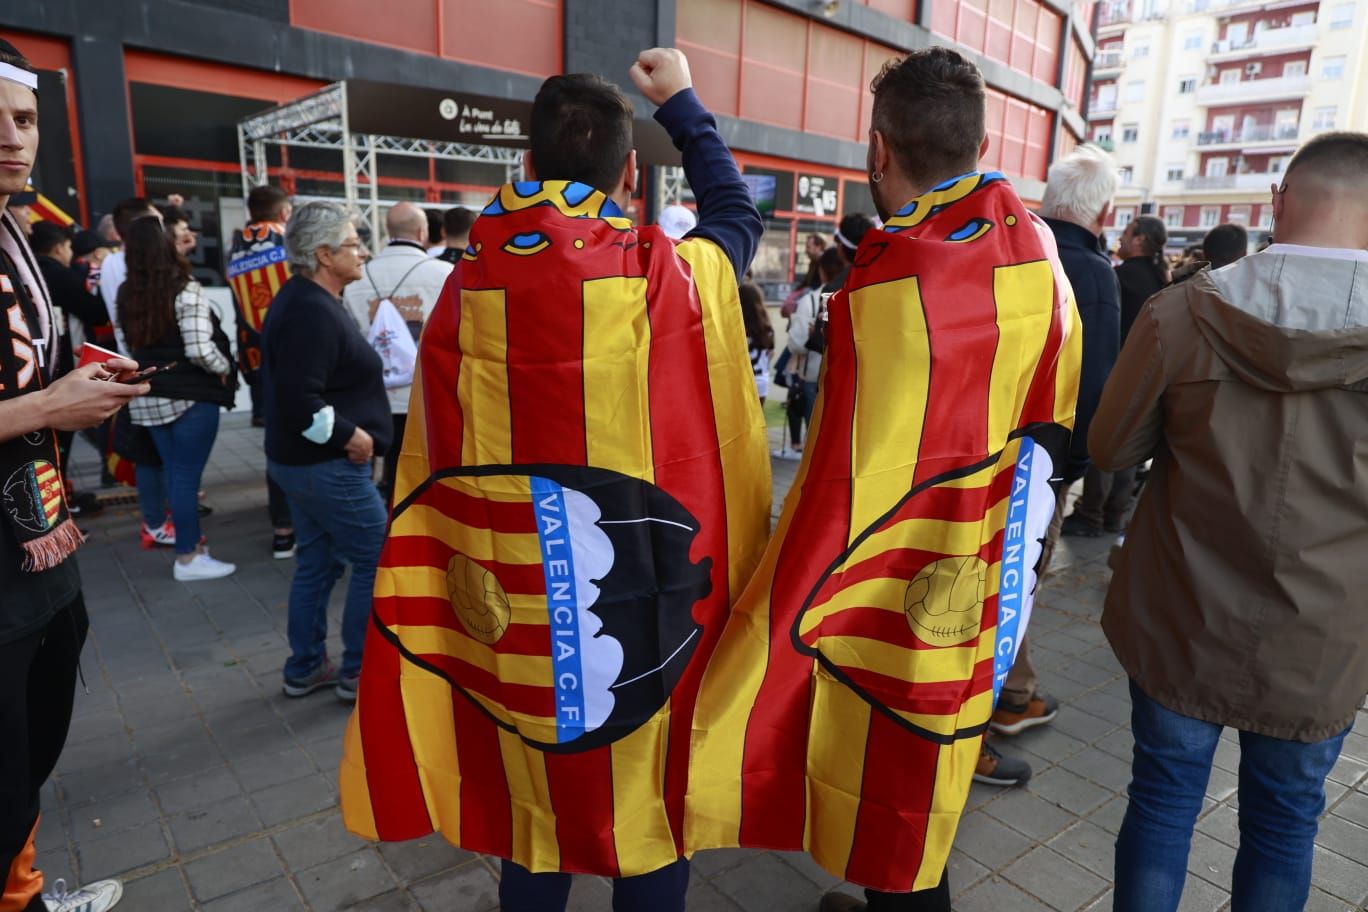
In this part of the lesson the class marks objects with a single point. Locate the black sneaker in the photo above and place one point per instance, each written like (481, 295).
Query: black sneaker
(995, 769)
(283, 546)
(1077, 525)
(325, 675)
(84, 505)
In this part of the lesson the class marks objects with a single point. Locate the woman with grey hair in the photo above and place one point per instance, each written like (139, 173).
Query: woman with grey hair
(327, 417)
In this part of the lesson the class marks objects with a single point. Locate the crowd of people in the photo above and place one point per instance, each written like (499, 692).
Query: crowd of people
(1220, 400)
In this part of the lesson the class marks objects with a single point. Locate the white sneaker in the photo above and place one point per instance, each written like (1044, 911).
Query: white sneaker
(203, 567)
(786, 453)
(96, 897)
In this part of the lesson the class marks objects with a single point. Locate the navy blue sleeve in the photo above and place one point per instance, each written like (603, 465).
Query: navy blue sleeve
(1099, 309)
(726, 213)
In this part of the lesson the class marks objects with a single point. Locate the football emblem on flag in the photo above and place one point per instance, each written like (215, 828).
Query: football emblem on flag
(559, 599)
(924, 608)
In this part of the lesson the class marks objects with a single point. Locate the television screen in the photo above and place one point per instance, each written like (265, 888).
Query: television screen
(762, 189)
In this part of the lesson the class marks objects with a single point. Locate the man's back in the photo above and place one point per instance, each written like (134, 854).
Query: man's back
(1247, 547)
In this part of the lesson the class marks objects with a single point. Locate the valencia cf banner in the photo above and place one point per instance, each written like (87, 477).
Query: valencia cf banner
(844, 708)
(583, 492)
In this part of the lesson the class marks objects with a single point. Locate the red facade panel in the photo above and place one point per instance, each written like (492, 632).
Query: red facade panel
(523, 36)
(709, 31)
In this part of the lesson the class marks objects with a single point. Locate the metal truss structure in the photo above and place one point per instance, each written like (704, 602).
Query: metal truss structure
(320, 121)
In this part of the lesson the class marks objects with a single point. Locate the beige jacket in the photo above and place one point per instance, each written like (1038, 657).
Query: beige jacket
(413, 281)
(1241, 595)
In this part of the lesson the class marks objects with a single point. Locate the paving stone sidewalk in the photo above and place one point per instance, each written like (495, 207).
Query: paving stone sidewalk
(190, 776)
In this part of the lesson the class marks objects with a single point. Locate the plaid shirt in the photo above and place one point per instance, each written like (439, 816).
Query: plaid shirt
(194, 318)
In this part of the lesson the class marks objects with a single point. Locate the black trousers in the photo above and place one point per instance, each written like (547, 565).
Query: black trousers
(391, 467)
(937, 899)
(277, 505)
(37, 690)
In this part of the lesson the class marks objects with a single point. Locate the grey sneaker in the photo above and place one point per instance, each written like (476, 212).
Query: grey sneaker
(995, 769)
(346, 687)
(322, 676)
(95, 897)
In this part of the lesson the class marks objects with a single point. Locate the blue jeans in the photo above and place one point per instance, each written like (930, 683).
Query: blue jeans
(151, 481)
(339, 519)
(1282, 794)
(184, 445)
(662, 890)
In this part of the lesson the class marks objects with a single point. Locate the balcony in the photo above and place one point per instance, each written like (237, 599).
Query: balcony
(1253, 91)
(1265, 41)
(1101, 110)
(1244, 182)
(1268, 133)
(1107, 60)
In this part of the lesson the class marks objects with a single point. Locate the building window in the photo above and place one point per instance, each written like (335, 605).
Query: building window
(1277, 163)
(1135, 90)
(1238, 215)
(1265, 217)
(1174, 173)
(1126, 173)
(1229, 76)
(1211, 216)
(1140, 50)
(1294, 68)
(1216, 167)
(1192, 41)
(1324, 118)
(1187, 85)
(1123, 216)
(1102, 135)
(1342, 16)
(1332, 68)
(1130, 133)
(1181, 129)
(1173, 216)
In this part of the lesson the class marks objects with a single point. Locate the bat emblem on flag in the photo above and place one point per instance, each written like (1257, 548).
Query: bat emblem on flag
(557, 598)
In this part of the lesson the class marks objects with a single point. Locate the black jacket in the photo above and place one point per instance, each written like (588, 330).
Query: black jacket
(69, 293)
(314, 357)
(1099, 307)
(1140, 280)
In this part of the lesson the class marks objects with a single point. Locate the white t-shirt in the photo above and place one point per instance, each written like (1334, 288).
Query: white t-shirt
(113, 271)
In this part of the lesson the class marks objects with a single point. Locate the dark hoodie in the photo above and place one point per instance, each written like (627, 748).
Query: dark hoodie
(1238, 598)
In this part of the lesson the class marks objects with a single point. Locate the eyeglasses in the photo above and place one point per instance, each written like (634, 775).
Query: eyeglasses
(355, 245)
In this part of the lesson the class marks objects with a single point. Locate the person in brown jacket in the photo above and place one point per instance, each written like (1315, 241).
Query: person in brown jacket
(1238, 597)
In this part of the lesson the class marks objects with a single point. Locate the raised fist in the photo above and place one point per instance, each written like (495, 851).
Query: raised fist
(661, 73)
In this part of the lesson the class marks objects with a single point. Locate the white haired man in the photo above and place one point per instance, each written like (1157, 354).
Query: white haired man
(1077, 203)
(409, 279)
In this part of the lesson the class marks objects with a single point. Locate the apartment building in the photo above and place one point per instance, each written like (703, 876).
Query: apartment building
(1204, 101)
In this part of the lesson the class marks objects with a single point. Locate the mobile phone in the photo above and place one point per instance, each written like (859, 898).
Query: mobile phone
(143, 374)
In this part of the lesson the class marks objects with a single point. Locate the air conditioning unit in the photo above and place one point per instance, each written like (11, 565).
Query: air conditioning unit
(1253, 69)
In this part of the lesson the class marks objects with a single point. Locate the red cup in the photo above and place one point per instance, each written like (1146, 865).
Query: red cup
(94, 354)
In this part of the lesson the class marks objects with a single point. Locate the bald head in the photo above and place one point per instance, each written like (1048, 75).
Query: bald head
(406, 222)
(1323, 201)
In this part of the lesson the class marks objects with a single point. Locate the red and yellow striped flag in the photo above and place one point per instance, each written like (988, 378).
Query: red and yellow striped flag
(583, 492)
(257, 267)
(844, 708)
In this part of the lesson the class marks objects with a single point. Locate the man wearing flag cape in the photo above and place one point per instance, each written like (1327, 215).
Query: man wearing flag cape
(845, 706)
(582, 493)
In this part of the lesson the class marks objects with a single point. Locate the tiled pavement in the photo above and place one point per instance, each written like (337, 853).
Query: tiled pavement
(191, 777)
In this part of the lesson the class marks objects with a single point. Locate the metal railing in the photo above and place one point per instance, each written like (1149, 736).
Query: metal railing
(1263, 133)
(1252, 89)
(1258, 180)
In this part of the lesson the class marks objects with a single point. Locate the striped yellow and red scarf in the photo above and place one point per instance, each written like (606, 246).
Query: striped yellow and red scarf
(583, 492)
(843, 710)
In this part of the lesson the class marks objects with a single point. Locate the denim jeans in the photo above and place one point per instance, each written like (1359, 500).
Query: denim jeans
(184, 446)
(339, 519)
(661, 890)
(151, 481)
(1282, 794)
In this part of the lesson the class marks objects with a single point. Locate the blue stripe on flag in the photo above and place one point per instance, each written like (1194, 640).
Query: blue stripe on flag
(558, 569)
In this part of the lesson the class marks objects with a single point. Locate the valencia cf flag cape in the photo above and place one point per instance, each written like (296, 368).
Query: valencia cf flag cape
(582, 494)
(844, 708)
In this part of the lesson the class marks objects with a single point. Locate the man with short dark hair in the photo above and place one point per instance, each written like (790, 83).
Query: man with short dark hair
(608, 361)
(1237, 600)
(1225, 244)
(456, 224)
(869, 648)
(256, 270)
(114, 269)
(43, 619)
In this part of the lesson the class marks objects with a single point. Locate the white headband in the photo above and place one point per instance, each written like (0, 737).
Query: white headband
(15, 74)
